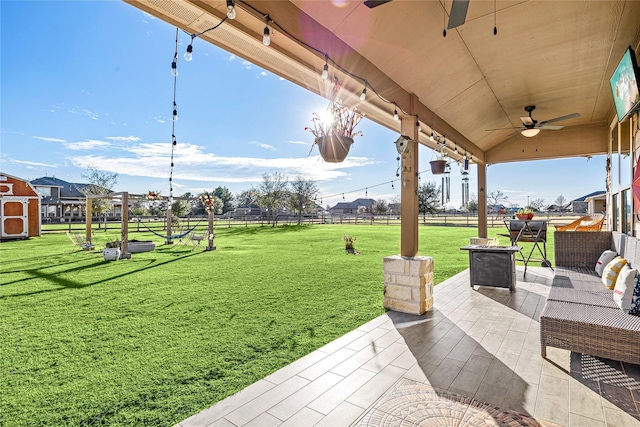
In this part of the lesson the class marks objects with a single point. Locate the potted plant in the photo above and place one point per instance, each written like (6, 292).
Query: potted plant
(525, 214)
(112, 251)
(348, 244)
(439, 165)
(334, 131)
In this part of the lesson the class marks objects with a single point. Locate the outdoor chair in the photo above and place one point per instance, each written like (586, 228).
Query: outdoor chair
(79, 240)
(197, 239)
(592, 222)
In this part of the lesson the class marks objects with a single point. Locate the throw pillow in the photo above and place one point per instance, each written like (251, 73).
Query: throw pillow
(611, 271)
(635, 300)
(604, 259)
(623, 292)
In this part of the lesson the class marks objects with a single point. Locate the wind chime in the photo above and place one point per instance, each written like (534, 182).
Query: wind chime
(465, 182)
(446, 185)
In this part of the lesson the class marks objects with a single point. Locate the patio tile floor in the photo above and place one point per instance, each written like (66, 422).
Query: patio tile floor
(473, 360)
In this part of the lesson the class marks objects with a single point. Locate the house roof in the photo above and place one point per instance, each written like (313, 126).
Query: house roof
(67, 189)
(354, 204)
(584, 198)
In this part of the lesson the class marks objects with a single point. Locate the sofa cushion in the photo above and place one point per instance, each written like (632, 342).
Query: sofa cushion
(623, 291)
(635, 299)
(604, 259)
(611, 271)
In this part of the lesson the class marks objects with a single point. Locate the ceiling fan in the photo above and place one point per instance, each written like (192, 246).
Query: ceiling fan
(531, 127)
(456, 18)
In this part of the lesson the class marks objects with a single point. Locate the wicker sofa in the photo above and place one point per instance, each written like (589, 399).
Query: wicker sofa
(580, 314)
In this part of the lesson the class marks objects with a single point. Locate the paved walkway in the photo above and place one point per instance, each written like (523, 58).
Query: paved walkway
(474, 360)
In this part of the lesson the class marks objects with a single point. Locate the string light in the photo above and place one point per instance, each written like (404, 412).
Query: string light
(363, 95)
(266, 38)
(431, 137)
(418, 124)
(188, 55)
(325, 69)
(175, 112)
(231, 10)
(395, 112)
(174, 67)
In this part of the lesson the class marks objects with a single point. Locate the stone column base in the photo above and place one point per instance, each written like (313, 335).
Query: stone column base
(408, 284)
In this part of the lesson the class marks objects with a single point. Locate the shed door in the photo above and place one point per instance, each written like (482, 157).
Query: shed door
(14, 219)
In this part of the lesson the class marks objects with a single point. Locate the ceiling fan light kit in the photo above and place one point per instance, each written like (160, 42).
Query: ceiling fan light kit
(529, 133)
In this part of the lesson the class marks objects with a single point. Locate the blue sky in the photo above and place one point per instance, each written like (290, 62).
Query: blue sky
(89, 84)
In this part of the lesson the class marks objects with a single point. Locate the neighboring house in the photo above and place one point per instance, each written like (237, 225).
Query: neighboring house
(581, 205)
(250, 210)
(596, 203)
(352, 207)
(19, 208)
(394, 208)
(556, 208)
(60, 198)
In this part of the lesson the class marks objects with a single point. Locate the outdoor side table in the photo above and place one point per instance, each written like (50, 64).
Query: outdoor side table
(530, 231)
(493, 265)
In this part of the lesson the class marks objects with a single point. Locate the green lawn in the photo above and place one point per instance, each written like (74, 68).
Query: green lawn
(155, 339)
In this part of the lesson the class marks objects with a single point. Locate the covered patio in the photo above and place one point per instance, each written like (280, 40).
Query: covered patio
(474, 356)
(474, 360)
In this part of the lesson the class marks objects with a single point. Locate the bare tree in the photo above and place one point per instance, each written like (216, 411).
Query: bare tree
(496, 197)
(247, 197)
(99, 182)
(560, 201)
(428, 199)
(302, 194)
(273, 192)
(536, 204)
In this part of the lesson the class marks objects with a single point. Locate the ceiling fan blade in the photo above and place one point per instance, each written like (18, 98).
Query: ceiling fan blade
(557, 119)
(549, 127)
(458, 13)
(527, 120)
(375, 3)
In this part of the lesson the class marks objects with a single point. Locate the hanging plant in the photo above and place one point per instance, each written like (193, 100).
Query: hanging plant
(335, 130)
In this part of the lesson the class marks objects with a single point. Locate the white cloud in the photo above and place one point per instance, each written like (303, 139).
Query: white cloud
(45, 138)
(261, 145)
(89, 144)
(83, 112)
(231, 57)
(28, 163)
(246, 65)
(192, 163)
(298, 142)
(262, 74)
(123, 138)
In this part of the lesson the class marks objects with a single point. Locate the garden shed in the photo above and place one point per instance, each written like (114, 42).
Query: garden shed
(19, 208)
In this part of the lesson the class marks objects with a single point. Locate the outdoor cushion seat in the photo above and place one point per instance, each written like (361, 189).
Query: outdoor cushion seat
(580, 314)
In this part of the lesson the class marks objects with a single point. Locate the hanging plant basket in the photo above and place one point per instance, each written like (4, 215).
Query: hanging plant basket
(438, 166)
(334, 148)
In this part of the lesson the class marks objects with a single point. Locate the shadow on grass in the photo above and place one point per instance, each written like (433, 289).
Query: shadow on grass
(63, 284)
(285, 228)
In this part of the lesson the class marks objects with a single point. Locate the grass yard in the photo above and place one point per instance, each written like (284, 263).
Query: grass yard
(155, 339)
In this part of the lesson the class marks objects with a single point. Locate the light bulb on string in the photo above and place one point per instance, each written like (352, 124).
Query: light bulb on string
(231, 10)
(174, 68)
(395, 113)
(418, 124)
(431, 137)
(175, 112)
(366, 192)
(266, 38)
(188, 55)
(325, 69)
(342, 196)
(363, 95)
